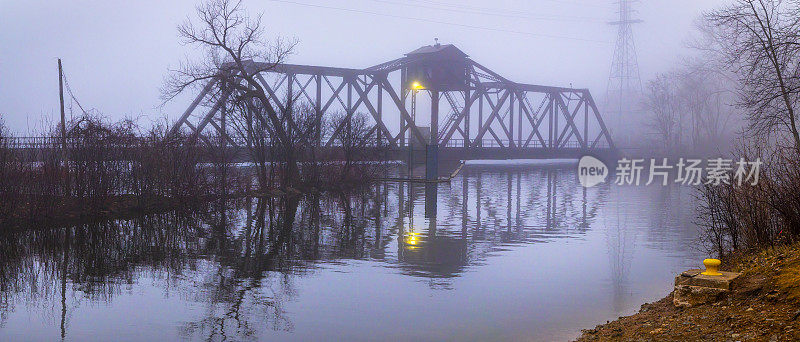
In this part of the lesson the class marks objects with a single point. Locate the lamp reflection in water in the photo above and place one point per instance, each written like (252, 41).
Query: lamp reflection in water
(428, 251)
(412, 240)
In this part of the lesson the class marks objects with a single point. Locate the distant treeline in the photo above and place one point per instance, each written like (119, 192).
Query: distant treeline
(757, 46)
(111, 169)
(101, 169)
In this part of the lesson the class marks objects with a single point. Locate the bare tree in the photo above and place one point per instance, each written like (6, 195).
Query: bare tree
(706, 102)
(661, 101)
(232, 41)
(353, 137)
(758, 39)
(10, 170)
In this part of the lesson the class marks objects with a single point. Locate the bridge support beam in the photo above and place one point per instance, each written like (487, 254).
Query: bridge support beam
(532, 111)
(432, 149)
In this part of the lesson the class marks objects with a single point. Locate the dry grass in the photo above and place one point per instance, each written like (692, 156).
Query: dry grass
(789, 280)
(751, 217)
(781, 265)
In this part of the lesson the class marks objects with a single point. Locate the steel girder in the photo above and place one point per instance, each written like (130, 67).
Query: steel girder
(508, 114)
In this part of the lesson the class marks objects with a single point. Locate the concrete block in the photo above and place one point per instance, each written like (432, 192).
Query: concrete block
(695, 278)
(688, 296)
(693, 288)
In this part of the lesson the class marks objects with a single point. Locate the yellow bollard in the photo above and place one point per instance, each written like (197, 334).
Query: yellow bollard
(712, 267)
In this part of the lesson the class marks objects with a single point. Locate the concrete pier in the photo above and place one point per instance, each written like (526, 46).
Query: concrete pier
(693, 288)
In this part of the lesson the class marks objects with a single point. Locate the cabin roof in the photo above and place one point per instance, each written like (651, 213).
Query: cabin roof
(439, 50)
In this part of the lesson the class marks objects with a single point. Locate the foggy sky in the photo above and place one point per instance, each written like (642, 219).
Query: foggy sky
(117, 53)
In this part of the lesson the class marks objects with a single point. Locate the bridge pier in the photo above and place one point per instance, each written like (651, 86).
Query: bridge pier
(431, 162)
(431, 199)
(432, 149)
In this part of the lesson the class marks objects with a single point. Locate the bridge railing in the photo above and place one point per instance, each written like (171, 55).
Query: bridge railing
(31, 142)
(55, 142)
(532, 144)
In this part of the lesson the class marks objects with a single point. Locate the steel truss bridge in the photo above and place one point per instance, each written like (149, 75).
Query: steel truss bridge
(484, 115)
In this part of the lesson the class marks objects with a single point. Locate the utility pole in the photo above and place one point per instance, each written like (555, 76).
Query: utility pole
(624, 83)
(63, 129)
(66, 194)
(410, 133)
(61, 100)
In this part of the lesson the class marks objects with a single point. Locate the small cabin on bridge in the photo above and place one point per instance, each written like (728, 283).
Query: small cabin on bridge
(436, 67)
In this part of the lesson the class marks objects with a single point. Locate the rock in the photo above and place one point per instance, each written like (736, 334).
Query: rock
(773, 295)
(689, 277)
(693, 288)
(691, 273)
(686, 296)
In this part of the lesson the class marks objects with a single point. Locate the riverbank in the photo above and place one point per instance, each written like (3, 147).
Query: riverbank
(59, 212)
(65, 212)
(763, 306)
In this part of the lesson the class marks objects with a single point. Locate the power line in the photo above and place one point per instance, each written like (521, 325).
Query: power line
(493, 9)
(624, 82)
(439, 22)
(576, 3)
(487, 11)
(71, 95)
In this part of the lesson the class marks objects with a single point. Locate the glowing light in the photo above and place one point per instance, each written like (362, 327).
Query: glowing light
(412, 238)
(416, 86)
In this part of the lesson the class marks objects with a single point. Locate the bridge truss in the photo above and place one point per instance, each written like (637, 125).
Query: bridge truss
(485, 111)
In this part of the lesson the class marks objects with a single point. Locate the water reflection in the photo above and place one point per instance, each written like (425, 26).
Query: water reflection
(238, 270)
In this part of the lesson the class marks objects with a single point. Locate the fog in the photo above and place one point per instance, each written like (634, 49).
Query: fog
(116, 54)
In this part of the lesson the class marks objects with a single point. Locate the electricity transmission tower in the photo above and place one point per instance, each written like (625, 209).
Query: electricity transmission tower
(624, 83)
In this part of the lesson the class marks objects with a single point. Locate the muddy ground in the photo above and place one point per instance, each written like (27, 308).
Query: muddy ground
(763, 305)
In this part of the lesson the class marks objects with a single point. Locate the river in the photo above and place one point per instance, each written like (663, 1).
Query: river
(502, 252)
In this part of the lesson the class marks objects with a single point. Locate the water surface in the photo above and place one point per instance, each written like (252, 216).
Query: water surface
(503, 252)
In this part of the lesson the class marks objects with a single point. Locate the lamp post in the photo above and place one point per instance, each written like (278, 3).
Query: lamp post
(415, 87)
(432, 145)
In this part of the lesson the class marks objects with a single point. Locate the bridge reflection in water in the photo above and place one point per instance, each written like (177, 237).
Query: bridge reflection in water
(351, 265)
(491, 210)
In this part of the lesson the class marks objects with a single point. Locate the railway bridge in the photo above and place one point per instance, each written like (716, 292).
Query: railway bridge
(434, 103)
(434, 100)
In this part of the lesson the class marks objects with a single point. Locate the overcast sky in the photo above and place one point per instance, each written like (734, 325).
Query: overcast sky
(117, 53)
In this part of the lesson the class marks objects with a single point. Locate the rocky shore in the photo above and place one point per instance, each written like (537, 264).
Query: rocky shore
(762, 305)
